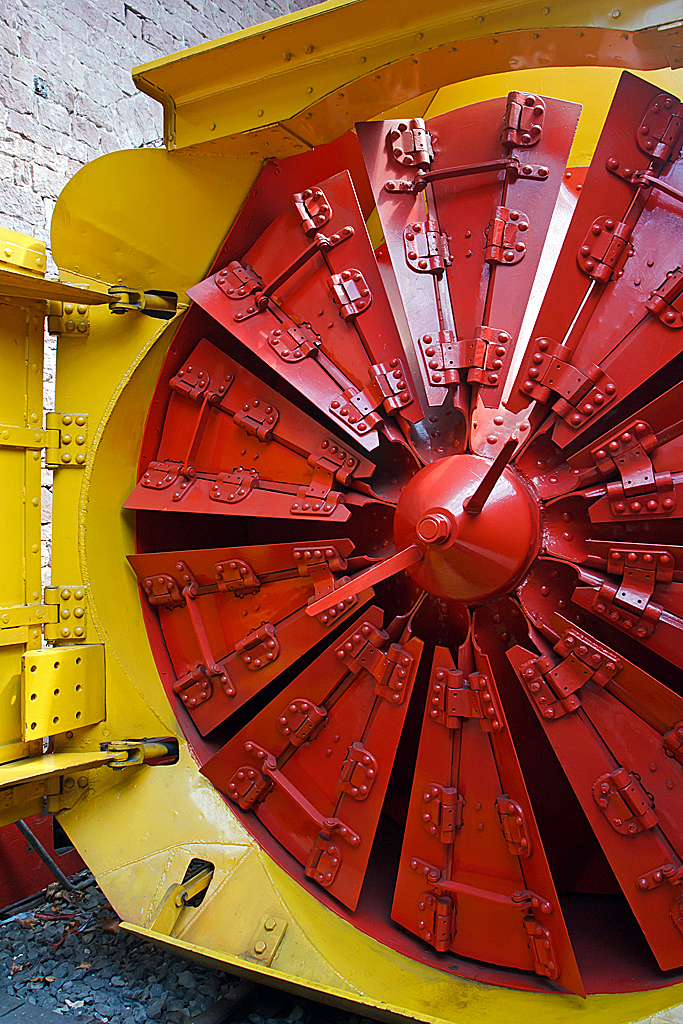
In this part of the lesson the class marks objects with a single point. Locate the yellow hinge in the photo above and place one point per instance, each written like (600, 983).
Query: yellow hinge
(24, 254)
(71, 622)
(68, 318)
(67, 439)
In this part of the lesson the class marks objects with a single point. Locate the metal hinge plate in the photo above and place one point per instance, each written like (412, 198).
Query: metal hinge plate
(523, 120)
(426, 247)
(506, 236)
(65, 318)
(67, 443)
(624, 801)
(72, 615)
(62, 688)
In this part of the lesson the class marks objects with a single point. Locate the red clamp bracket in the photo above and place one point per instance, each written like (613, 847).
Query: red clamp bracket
(358, 772)
(295, 343)
(660, 130)
(523, 120)
(641, 489)
(582, 393)
(666, 302)
(485, 356)
(671, 872)
(552, 686)
(324, 860)
(236, 577)
(195, 687)
(237, 281)
(160, 475)
(301, 721)
(442, 809)
(351, 292)
(387, 389)
(454, 697)
(436, 920)
(673, 742)
(605, 249)
(313, 208)
(411, 143)
(330, 463)
(506, 236)
(607, 605)
(441, 357)
(258, 419)
(191, 381)
(624, 801)
(259, 647)
(319, 564)
(163, 589)
(426, 247)
(247, 786)
(367, 649)
(514, 826)
(234, 487)
(541, 947)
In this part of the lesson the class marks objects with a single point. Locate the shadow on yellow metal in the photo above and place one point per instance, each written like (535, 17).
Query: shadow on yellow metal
(153, 219)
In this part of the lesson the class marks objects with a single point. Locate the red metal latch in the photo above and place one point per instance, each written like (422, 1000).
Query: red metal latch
(440, 354)
(552, 686)
(523, 121)
(514, 826)
(191, 381)
(582, 393)
(259, 647)
(426, 247)
(485, 355)
(411, 143)
(666, 302)
(608, 605)
(673, 742)
(237, 281)
(314, 208)
(358, 772)
(195, 687)
(388, 388)
(258, 419)
(295, 343)
(640, 490)
(330, 463)
(247, 786)
(163, 589)
(454, 697)
(319, 564)
(436, 920)
(234, 487)
(351, 292)
(442, 808)
(324, 860)
(660, 130)
(541, 948)
(506, 236)
(236, 577)
(301, 721)
(605, 249)
(624, 801)
(389, 667)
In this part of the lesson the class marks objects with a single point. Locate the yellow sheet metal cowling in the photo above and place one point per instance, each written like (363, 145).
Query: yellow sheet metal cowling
(154, 220)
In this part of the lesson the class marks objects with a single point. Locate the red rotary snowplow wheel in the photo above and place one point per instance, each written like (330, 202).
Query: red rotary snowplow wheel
(412, 581)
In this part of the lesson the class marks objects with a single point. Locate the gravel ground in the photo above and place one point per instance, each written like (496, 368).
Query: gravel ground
(82, 965)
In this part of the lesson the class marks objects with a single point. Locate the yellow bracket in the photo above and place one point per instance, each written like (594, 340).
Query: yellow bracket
(68, 318)
(51, 782)
(62, 689)
(68, 439)
(72, 613)
(127, 753)
(266, 940)
(22, 437)
(176, 897)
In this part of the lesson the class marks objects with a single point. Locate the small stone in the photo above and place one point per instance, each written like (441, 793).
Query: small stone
(187, 981)
(154, 1009)
(256, 1018)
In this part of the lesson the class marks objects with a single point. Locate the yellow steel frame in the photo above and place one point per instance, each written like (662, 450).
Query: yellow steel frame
(153, 219)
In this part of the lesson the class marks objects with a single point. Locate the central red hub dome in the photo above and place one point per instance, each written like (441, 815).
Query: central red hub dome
(467, 557)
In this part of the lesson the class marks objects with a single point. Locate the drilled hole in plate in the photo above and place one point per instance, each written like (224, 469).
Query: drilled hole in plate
(78, 687)
(78, 714)
(56, 693)
(34, 696)
(56, 664)
(78, 661)
(33, 668)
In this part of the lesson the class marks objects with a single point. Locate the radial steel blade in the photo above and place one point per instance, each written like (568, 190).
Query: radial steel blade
(233, 446)
(308, 299)
(234, 618)
(314, 765)
(598, 316)
(614, 801)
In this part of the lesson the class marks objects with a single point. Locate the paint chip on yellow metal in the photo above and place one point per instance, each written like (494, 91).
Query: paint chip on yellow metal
(62, 689)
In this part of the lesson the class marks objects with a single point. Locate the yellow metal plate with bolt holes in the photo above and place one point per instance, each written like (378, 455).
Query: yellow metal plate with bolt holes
(62, 689)
(22, 253)
(266, 940)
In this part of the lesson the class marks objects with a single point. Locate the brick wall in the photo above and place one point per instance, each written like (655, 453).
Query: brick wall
(67, 96)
